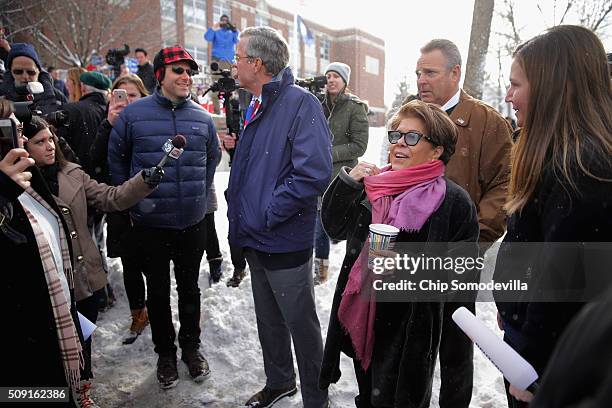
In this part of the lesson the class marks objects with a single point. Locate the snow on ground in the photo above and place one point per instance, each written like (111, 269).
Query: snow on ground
(125, 374)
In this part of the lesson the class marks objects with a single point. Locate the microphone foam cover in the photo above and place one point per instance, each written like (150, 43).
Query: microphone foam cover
(179, 141)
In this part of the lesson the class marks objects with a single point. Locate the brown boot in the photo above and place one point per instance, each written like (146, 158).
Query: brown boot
(236, 278)
(140, 320)
(321, 267)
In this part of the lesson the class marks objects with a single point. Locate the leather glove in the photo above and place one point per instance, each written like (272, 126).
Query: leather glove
(152, 176)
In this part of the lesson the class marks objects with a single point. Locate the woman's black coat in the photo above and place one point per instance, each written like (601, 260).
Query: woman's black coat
(407, 334)
(31, 354)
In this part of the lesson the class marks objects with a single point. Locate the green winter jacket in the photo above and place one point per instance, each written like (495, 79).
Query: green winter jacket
(348, 123)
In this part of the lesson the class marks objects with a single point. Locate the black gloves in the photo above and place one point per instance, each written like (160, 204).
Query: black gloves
(152, 176)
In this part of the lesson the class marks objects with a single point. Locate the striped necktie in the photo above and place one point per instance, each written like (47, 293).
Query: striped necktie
(252, 111)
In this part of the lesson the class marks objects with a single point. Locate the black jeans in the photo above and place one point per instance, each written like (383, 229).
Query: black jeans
(88, 307)
(156, 248)
(133, 280)
(456, 360)
(212, 241)
(238, 258)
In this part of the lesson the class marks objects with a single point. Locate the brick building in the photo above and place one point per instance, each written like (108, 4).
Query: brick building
(154, 24)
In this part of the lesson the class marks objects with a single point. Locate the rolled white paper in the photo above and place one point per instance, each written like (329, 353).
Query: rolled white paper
(515, 368)
(87, 327)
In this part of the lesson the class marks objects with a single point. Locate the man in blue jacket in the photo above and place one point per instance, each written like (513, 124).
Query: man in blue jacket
(169, 224)
(281, 165)
(224, 37)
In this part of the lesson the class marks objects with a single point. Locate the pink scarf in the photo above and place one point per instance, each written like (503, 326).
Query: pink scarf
(419, 192)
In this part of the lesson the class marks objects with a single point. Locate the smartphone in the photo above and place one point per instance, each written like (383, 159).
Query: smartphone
(120, 96)
(8, 136)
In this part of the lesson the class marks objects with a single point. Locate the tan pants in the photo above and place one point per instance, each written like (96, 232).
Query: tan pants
(214, 96)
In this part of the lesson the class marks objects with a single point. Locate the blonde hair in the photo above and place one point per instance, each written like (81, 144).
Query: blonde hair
(73, 75)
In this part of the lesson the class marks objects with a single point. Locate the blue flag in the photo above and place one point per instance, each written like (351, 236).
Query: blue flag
(304, 31)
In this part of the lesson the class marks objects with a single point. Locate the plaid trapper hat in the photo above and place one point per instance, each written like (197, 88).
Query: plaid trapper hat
(169, 55)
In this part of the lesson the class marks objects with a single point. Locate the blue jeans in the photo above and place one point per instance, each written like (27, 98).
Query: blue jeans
(321, 240)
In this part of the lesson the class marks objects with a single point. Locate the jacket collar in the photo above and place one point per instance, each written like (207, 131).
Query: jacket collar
(162, 100)
(277, 84)
(69, 186)
(96, 97)
(463, 111)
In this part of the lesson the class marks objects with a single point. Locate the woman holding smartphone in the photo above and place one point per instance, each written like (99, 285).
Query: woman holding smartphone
(125, 90)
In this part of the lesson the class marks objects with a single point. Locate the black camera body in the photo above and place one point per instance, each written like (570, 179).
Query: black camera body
(314, 85)
(25, 109)
(229, 26)
(225, 84)
(115, 57)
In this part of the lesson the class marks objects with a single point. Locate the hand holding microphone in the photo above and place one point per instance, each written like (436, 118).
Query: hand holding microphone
(173, 148)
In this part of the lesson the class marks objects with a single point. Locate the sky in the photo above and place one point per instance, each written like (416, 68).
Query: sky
(407, 25)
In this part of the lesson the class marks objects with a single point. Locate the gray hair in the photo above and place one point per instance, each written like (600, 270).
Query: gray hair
(269, 45)
(448, 49)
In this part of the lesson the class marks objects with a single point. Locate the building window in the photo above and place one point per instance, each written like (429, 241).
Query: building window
(243, 23)
(294, 51)
(324, 46)
(168, 10)
(260, 20)
(168, 23)
(310, 60)
(199, 53)
(371, 65)
(194, 12)
(221, 7)
(119, 3)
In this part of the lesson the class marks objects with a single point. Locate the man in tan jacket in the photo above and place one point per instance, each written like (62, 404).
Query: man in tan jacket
(481, 165)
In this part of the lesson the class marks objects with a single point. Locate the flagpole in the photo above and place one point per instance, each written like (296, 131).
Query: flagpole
(296, 46)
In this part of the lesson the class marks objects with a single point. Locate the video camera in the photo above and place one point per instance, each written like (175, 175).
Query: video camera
(115, 57)
(226, 83)
(225, 86)
(314, 85)
(228, 25)
(25, 109)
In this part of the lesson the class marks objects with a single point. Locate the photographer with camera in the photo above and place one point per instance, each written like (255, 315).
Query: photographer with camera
(347, 118)
(224, 37)
(23, 66)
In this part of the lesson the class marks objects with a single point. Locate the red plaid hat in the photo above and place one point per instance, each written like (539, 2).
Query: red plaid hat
(169, 55)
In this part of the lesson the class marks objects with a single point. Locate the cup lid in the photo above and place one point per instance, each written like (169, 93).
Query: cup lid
(384, 229)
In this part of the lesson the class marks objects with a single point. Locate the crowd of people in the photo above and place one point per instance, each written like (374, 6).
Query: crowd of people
(139, 154)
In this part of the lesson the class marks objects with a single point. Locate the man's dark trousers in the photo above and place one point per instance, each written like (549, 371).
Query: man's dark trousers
(185, 248)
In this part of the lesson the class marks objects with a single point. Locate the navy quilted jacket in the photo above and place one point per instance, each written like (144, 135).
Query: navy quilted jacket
(136, 143)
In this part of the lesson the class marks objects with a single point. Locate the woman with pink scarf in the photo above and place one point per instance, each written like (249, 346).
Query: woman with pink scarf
(393, 345)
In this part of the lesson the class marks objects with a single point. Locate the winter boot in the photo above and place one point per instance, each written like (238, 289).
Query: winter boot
(235, 280)
(140, 320)
(167, 373)
(214, 267)
(196, 363)
(321, 267)
(82, 397)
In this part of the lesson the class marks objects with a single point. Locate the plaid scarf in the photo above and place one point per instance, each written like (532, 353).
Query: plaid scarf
(67, 337)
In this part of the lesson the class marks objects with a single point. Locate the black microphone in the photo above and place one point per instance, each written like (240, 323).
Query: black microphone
(172, 148)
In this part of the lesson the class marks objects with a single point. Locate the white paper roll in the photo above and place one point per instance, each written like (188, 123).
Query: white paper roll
(515, 368)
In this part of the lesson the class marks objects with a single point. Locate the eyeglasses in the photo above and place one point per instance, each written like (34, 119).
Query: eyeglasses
(238, 58)
(410, 138)
(181, 71)
(21, 71)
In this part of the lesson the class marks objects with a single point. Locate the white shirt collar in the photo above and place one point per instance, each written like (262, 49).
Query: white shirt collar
(452, 101)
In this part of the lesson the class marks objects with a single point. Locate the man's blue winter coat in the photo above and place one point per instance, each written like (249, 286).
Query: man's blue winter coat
(136, 143)
(223, 43)
(281, 165)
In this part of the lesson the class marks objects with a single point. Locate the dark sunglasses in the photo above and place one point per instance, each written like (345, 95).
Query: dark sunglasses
(20, 72)
(181, 70)
(410, 138)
